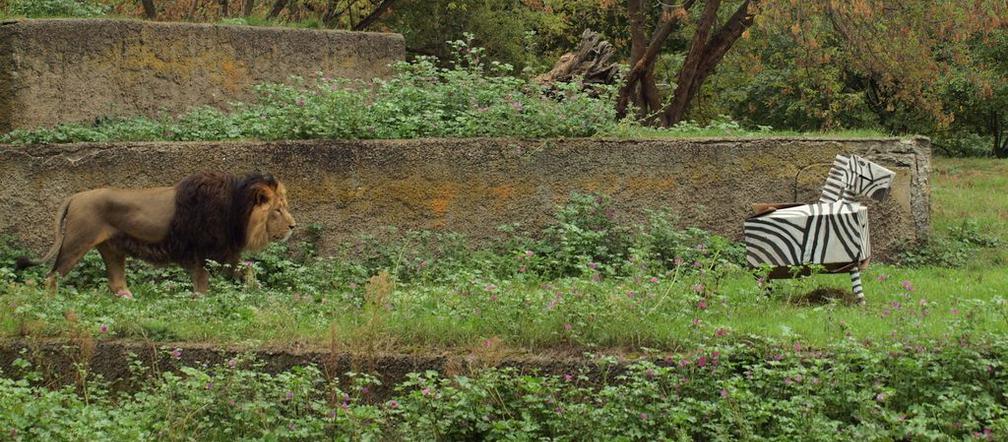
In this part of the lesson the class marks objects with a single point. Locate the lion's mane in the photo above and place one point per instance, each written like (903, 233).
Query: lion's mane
(211, 221)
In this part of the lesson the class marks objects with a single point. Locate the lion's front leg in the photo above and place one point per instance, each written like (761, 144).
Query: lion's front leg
(200, 278)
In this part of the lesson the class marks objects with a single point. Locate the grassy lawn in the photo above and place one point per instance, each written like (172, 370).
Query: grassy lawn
(680, 310)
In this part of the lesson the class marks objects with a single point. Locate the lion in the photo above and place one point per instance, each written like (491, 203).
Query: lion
(206, 216)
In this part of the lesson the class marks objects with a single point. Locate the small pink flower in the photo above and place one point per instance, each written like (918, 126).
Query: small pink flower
(896, 304)
(529, 254)
(720, 332)
(702, 361)
(177, 353)
(882, 278)
(880, 397)
(393, 404)
(290, 395)
(696, 322)
(521, 269)
(630, 294)
(493, 298)
(300, 101)
(697, 265)
(954, 311)
(702, 305)
(653, 280)
(649, 374)
(568, 326)
(209, 386)
(568, 377)
(644, 416)
(232, 363)
(698, 288)
(797, 347)
(684, 362)
(426, 391)
(103, 328)
(787, 380)
(593, 265)
(906, 285)
(724, 393)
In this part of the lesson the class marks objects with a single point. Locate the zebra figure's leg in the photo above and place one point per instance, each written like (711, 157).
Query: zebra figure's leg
(855, 276)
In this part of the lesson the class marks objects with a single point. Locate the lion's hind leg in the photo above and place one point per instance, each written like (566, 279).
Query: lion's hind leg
(78, 238)
(115, 269)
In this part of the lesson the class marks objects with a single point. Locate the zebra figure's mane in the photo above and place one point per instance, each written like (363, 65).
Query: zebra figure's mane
(854, 176)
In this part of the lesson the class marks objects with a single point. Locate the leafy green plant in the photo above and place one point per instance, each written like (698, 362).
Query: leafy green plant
(55, 8)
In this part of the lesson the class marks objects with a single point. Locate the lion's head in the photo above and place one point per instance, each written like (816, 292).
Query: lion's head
(269, 219)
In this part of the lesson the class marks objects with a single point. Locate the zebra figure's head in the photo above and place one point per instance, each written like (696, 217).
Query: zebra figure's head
(853, 176)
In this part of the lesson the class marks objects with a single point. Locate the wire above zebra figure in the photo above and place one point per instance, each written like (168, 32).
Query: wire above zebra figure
(832, 232)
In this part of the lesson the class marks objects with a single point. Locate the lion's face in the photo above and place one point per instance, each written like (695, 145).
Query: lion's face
(270, 220)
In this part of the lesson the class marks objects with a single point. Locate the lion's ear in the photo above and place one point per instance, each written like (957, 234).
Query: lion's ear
(262, 195)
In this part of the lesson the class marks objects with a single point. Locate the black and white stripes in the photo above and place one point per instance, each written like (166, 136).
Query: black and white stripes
(833, 230)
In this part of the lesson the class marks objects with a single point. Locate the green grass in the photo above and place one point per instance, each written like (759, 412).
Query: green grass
(527, 313)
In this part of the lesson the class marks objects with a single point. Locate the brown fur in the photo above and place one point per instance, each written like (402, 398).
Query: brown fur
(205, 216)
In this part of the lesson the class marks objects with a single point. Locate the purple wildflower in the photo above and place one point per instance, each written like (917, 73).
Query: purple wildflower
(393, 404)
(906, 285)
(103, 328)
(177, 353)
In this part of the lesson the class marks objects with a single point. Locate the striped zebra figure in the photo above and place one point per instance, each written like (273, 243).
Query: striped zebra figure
(832, 232)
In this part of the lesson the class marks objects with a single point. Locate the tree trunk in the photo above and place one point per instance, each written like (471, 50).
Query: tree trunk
(688, 73)
(247, 8)
(374, 15)
(330, 16)
(998, 131)
(149, 10)
(223, 8)
(278, 7)
(640, 82)
(704, 55)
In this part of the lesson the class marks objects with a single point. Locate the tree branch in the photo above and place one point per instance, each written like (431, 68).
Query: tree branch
(374, 15)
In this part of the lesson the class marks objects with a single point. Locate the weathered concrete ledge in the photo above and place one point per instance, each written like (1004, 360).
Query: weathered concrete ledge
(473, 186)
(58, 71)
(56, 359)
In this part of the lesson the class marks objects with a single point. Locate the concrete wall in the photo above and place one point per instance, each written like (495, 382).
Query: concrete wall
(56, 71)
(474, 185)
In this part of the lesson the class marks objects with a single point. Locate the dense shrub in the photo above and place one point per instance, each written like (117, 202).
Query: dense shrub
(751, 392)
(53, 8)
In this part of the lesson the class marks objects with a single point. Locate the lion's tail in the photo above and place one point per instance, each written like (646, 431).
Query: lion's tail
(24, 262)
